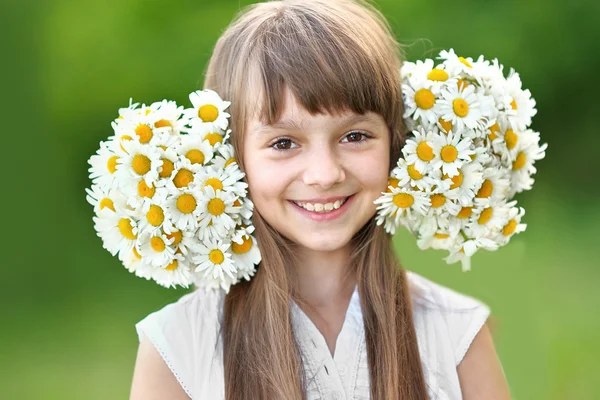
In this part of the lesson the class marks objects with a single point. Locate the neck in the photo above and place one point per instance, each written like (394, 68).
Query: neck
(324, 278)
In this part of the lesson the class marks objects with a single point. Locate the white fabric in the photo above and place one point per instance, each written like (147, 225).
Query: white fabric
(186, 335)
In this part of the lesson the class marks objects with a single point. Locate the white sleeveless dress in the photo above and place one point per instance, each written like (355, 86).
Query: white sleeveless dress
(186, 334)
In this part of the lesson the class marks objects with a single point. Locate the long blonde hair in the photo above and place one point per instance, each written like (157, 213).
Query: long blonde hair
(333, 55)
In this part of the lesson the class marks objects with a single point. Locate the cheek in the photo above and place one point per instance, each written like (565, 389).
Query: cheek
(373, 171)
(265, 182)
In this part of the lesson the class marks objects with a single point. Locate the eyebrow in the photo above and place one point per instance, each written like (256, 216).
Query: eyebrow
(290, 124)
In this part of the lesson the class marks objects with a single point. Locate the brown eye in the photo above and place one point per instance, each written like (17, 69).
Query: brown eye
(282, 145)
(356, 137)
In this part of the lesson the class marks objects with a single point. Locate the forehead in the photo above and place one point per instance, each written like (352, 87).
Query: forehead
(294, 116)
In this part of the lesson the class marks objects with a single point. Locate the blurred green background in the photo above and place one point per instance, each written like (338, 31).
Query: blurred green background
(69, 308)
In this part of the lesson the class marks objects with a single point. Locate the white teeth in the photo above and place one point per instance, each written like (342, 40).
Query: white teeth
(322, 208)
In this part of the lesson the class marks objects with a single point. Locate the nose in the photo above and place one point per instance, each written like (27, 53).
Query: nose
(324, 168)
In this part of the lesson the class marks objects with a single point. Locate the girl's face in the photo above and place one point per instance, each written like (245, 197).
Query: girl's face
(321, 160)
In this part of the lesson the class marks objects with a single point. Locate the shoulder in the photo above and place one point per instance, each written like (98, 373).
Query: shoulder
(186, 335)
(449, 318)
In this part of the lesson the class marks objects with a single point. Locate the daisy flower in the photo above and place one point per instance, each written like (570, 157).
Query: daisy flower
(184, 174)
(168, 115)
(512, 227)
(213, 134)
(224, 156)
(489, 219)
(178, 271)
(453, 152)
(420, 101)
(228, 179)
(454, 64)
(245, 254)
(400, 202)
(408, 175)
(103, 166)
(155, 249)
(137, 124)
(217, 209)
(140, 161)
(494, 187)
(101, 199)
(214, 259)
(117, 230)
(461, 107)
(442, 203)
(466, 183)
(522, 106)
(464, 251)
(185, 207)
(208, 107)
(418, 150)
(195, 149)
(529, 151)
(155, 217)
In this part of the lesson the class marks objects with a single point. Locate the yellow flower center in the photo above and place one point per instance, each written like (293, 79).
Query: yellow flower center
(215, 183)
(403, 200)
(216, 256)
(494, 129)
(465, 212)
(460, 107)
(144, 190)
(216, 206)
(242, 248)
(457, 180)
(183, 178)
(513, 104)
(485, 190)
(213, 138)
(424, 99)
(231, 160)
(449, 153)
(392, 183)
(485, 216)
(520, 161)
(126, 228)
(437, 74)
(465, 62)
(446, 125)
(413, 172)
(162, 123)
(106, 202)
(172, 266)
(438, 200)
(208, 113)
(195, 156)
(167, 168)
(124, 138)
(144, 132)
(511, 139)
(186, 203)
(441, 235)
(424, 151)
(140, 164)
(461, 84)
(111, 164)
(155, 215)
(177, 235)
(157, 244)
(509, 228)
(237, 203)
(136, 254)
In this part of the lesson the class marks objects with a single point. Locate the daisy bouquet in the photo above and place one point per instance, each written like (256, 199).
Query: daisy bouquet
(469, 152)
(169, 197)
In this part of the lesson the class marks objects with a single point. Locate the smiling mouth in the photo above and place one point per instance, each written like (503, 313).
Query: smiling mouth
(320, 207)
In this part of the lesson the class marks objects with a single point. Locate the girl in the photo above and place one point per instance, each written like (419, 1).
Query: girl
(330, 314)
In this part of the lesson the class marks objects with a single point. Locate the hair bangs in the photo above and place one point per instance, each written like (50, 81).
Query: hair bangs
(326, 64)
